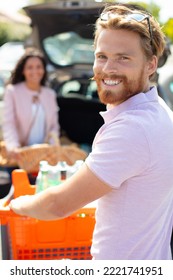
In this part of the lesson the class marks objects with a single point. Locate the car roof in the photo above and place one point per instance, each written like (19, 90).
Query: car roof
(63, 16)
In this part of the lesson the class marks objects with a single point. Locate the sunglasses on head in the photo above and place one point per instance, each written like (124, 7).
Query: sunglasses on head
(133, 16)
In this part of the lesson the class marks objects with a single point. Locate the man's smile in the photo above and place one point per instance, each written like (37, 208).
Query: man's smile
(109, 82)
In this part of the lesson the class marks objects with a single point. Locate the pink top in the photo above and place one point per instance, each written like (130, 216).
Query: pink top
(17, 114)
(133, 153)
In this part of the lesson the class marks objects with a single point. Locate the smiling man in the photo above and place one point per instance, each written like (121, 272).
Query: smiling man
(121, 67)
(129, 169)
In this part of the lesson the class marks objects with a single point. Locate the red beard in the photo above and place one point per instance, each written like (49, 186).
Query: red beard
(127, 88)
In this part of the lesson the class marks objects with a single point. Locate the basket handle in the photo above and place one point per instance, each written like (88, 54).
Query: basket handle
(7, 212)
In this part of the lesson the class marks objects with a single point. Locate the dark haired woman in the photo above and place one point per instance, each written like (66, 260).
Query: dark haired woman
(30, 107)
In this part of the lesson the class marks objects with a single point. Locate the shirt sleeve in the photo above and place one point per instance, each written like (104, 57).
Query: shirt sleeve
(120, 152)
(9, 125)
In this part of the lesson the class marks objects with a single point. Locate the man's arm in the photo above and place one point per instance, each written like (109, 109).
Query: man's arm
(64, 199)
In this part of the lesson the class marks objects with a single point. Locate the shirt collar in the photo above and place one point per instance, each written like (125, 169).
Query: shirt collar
(130, 104)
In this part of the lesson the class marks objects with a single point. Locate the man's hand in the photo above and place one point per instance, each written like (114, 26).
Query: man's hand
(18, 205)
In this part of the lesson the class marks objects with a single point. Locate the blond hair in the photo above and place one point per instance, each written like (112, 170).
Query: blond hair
(152, 44)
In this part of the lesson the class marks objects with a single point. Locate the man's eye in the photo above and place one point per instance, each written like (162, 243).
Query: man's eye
(123, 58)
(101, 56)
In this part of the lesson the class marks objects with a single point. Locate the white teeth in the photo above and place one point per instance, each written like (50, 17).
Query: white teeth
(111, 82)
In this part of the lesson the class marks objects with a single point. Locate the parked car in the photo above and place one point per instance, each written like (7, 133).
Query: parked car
(166, 78)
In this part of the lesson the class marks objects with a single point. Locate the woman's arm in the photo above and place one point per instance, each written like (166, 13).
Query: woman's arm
(9, 126)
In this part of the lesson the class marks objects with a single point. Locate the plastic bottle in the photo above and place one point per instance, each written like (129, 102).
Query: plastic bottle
(53, 176)
(63, 170)
(42, 177)
(58, 173)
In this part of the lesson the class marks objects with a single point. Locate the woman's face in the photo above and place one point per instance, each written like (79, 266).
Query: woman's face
(33, 70)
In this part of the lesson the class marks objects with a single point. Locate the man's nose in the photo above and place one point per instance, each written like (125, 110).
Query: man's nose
(110, 66)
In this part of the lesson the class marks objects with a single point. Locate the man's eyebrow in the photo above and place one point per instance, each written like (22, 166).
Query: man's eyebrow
(131, 53)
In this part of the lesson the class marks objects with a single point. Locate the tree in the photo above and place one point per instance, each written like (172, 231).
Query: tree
(10, 31)
(168, 29)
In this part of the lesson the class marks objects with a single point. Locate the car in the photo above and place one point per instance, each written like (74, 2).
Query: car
(166, 78)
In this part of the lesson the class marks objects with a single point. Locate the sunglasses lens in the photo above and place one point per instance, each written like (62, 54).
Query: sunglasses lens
(137, 17)
(104, 16)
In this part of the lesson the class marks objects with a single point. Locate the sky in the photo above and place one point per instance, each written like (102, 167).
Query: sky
(12, 5)
(165, 13)
(166, 8)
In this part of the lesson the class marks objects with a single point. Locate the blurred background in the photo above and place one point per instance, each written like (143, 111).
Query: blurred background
(16, 28)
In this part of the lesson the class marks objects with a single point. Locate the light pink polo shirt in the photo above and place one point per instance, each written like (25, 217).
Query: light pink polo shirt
(133, 153)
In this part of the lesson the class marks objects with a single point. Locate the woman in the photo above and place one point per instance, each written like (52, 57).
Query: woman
(30, 107)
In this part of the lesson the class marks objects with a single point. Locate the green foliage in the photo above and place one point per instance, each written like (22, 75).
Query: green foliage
(13, 32)
(3, 34)
(168, 29)
(153, 8)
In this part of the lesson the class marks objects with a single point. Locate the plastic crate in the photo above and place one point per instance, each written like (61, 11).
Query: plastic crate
(32, 239)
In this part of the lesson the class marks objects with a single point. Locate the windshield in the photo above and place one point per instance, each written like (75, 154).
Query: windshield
(69, 48)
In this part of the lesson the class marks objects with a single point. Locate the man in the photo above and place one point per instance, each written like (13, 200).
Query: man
(130, 167)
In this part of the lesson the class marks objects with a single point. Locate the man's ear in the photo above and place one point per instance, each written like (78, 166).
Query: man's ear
(152, 65)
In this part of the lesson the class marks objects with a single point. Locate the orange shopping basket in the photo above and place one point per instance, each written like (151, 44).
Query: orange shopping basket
(31, 239)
